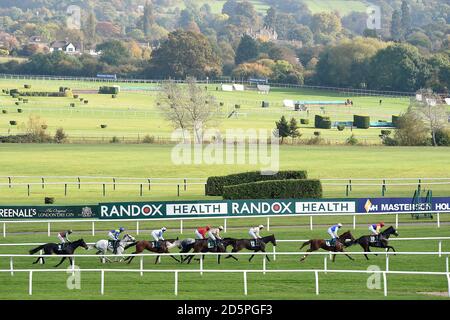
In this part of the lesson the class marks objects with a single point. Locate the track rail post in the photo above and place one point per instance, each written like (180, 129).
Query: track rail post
(245, 283)
(30, 283)
(176, 283)
(102, 282)
(316, 274)
(11, 265)
(385, 284)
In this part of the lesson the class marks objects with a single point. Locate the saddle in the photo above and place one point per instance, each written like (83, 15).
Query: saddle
(331, 242)
(255, 244)
(212, 243)
(156, 244)
(374, 239)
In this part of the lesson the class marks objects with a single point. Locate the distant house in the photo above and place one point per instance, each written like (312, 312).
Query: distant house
(65, 46)
(264, 34)
(35, 40)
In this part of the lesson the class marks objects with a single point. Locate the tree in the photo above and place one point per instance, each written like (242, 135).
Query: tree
(188, 106)
(327, 23)
(185, 54)
(148, 18)
(396, 26)
(114, 52)
(398, 67)
(282, 129)
(431, 111)
(406, 17)
(301, 33)
(411, 130)
(90, 29)
(247, 50)
(293, 129)
(271, 18)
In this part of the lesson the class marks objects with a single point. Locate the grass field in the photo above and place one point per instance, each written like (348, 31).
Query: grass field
(154, 161)
(134, 113)
(268, 286)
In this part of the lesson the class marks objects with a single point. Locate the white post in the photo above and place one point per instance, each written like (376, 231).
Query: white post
(440, 249)
(30, 284)
(48, 229)
(73, 266)
(385, 284)
(137, 227)
(448, 282)
(446, 264)
(11, 265)
(245, 282)
(141, 265)
(176, 283)
(387, 262)
(4, 229)
(310, 222)
(41, 253)
(181, 226)
(317, 282)
(268, 223)
(264, 264)
(201, 265)
(93, 228)
(274, 255)
(325, 264)
(396, 221)
(438, 220)
(102, 282)
(225, 225)
(354, 222)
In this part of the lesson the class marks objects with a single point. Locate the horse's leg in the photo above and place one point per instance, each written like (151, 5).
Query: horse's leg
(157, 259)
(306, 255)
(250, 260)
(390, 247)
(62, 260)
(267, 257)
(175, 259)
(131, 258)
(342, 250)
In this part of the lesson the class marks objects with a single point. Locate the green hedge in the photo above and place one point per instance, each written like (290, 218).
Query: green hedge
(275, 189)
(214, 185)
(322, 122)
(395, 120)
(361, 122)
(108, 90)
(304, 121)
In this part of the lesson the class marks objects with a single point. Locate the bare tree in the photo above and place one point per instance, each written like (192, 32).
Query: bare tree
(188, 106)
(431, 110)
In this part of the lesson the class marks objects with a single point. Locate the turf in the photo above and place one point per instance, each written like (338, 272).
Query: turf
(268, 286)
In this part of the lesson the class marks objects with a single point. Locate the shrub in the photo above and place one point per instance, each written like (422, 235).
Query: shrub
(27, 86)
(48, 200)
(13, 122)
(214, 185)
(304, 121)
(86, 101)
(322, 122)
(72, 105)
(4, 111)
(314, 140)
(237, 106)
(385, 132)
(81, 99)
(114, 140)
(442, 137)
(275, 189)
(25, 100)
(19, 110)
(148, 139)
(221, 104)
(114, 96)
(340, 127)
(361, 122)
(44, 127)
(108, 90)
(351, 140)
(76, 96)
(17, 103)
(60, 136)
(103, 126)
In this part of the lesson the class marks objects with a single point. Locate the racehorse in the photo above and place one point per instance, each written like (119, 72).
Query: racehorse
(104, 245)
(260, 245)
(201, 245)
(365, 241)
(59, 249)
(346, 239)
(163, 247)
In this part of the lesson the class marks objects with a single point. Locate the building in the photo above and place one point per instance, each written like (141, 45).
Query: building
(264, 34)
(65, 46)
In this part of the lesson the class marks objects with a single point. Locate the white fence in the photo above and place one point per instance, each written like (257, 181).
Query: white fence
(201, 270)
(225, 220)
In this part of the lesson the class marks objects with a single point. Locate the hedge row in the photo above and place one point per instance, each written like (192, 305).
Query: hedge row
(275, 189)
(215, 185)
(395, 121)
(322, 122)
(361, 122)
(108, 90)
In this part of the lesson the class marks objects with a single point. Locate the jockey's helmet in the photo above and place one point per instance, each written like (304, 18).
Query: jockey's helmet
(261, 226)
(69, 231)
(382, 224)
(220, 228)
(121, 229)
(340, 224)
(163, 229)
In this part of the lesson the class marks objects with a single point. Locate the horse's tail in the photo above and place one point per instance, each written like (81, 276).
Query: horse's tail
(305, 244)
(33, 251)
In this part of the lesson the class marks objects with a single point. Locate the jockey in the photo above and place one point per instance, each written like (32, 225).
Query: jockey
(200, 233)
(376, 228)
(332, 231)
(214, 234)
(63, 237)
(114, 235)
(158, 234)
(254, 232)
